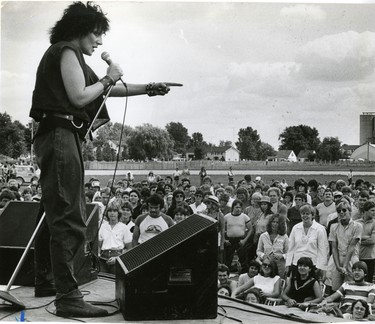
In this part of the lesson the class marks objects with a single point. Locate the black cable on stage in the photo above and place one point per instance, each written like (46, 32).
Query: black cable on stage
(225, 315)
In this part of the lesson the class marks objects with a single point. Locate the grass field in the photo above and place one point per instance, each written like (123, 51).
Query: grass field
(220, 178)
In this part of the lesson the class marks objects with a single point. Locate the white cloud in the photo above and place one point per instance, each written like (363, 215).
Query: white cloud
(340, 57)
(265, 79)
(303, 13)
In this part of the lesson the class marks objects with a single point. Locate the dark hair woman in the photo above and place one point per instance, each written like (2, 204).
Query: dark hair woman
(66, 98)
(302, 289)
(267, 281)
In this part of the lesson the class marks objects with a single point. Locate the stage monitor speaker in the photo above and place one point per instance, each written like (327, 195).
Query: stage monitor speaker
(173, 275)
(17, 224)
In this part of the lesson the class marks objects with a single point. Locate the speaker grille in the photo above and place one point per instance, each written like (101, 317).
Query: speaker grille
(166, 240)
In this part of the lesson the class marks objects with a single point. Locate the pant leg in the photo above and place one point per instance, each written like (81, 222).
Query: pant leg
(62, 181)
(229, 249)
(242, 253)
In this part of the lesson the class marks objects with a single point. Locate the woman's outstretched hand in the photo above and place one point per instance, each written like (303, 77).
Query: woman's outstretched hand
(161, 88)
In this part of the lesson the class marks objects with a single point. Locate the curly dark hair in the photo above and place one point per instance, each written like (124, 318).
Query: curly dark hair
(79, 20)
(364, 304)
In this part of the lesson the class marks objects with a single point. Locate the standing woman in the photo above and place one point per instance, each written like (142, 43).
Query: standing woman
(136, 203)
(178, 200)
(259, 224)
(114, 238)
(213, 210)
(274, 242)
(66, 97)
(308, 239)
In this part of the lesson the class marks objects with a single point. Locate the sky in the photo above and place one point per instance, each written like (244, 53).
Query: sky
(259, 64)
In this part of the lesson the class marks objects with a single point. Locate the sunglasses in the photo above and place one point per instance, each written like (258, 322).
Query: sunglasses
(266, 265)
(179, 196)
(344, 210)
(198, 196)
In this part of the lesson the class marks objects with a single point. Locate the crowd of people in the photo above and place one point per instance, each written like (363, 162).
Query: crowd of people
(309, 245)
(282, 242)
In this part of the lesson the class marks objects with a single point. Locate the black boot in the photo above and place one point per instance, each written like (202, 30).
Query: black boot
(45, 289)
(73, 305)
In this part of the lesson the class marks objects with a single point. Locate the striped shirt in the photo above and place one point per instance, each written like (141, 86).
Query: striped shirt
(351, 291)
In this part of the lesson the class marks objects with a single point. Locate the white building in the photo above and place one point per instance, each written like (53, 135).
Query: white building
(224, 153)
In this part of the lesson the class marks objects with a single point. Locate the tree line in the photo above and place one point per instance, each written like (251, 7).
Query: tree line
(148, 142)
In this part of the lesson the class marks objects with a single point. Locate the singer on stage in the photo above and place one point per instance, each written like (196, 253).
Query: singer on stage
(66, 98)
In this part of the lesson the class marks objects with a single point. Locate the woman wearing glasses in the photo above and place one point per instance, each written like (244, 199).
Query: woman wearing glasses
(178, 200)
(360, 311)
(267, 281)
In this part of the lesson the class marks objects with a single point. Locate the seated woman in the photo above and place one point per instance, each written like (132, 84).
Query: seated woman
(302, 289)
(253, 296)
(267, 281)
(360, 311)
(224, 291)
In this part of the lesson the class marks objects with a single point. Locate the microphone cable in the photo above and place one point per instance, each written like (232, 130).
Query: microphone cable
(94, 255)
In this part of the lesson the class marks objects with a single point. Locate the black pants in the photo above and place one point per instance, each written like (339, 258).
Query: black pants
(59, 158)
(230, 248)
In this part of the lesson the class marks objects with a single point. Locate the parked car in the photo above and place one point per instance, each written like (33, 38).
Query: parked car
(25, 173)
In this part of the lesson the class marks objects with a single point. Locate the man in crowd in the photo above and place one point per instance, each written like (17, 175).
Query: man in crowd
(353, 290)
(344, 238)
(293, 215)
(223, 278)
(325, 208)
(363, 196)
(198, 206)
(152, 223)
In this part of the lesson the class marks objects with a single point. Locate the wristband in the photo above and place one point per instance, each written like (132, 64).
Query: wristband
(150, 89)
(106, 81)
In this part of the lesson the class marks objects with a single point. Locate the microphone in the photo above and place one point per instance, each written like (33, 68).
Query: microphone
(107, 58)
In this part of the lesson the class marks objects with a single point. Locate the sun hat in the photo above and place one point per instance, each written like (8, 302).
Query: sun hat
(265, 199)
(337, 194)
(213, 199)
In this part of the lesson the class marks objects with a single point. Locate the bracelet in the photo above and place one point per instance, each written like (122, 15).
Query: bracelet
(106, 81)
(150, 89)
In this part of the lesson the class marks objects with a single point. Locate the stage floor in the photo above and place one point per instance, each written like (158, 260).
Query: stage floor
(102, 290)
